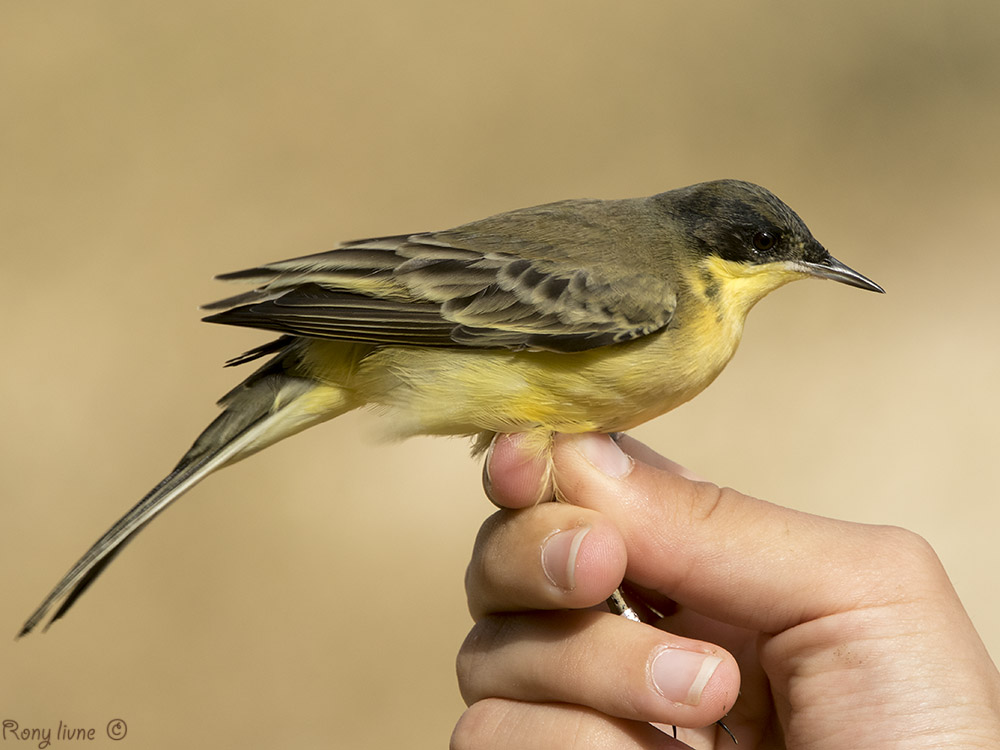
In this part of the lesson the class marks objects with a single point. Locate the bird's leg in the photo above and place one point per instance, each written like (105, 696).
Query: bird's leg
(627, 603)
(618, 606)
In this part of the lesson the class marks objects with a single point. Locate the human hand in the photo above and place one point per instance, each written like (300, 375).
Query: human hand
(845, 635)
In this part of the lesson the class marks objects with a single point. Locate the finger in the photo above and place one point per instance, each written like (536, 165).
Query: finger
(618, 667)
(642, 452)
(517, 470)
(500, 724)
(721, 552)
(548, 556)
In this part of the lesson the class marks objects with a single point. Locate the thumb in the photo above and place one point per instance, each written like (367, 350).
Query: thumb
(726, 555)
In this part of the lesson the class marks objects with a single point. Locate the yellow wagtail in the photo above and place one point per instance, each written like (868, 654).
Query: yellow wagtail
(581, 315)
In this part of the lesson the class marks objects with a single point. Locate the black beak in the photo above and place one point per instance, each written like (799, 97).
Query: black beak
(831, 268)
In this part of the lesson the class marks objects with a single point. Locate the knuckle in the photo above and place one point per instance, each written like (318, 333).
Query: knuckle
(908, 552)
(709, 499)
(485, 637)
(480, 574)
(477, 727)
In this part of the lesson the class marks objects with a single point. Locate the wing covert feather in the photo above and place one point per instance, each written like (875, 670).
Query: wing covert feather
(425, 290)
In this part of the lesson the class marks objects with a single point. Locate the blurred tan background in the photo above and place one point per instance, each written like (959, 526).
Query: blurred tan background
(312, 597)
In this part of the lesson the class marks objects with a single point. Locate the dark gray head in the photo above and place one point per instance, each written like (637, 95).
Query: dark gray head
(745, 223)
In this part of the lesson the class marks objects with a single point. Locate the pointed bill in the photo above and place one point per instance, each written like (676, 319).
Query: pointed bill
(831, 268)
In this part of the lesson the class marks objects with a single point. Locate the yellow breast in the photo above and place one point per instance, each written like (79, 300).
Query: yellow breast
(438, 391)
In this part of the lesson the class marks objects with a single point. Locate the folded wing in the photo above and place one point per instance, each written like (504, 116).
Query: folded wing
(446, 290)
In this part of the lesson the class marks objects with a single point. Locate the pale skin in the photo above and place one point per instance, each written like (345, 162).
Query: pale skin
(831, 634)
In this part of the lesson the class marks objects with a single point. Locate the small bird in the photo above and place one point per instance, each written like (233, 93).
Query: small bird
(574, 316)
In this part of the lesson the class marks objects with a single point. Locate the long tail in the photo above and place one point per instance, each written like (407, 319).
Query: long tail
(270, 405)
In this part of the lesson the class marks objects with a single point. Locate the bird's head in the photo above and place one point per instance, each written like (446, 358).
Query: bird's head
(749, 242)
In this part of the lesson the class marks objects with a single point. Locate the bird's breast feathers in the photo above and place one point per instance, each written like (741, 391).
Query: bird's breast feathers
(469, 391)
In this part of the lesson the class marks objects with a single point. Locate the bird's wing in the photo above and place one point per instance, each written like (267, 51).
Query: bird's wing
(446, 290)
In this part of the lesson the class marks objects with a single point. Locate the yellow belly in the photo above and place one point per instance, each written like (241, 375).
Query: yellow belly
(449, 391)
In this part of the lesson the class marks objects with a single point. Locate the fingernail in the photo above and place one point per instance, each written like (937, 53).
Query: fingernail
(487, 479)
(603, 453)
(681, 676)
(559, 553)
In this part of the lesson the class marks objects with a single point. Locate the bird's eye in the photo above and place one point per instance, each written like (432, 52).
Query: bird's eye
(765, 240)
